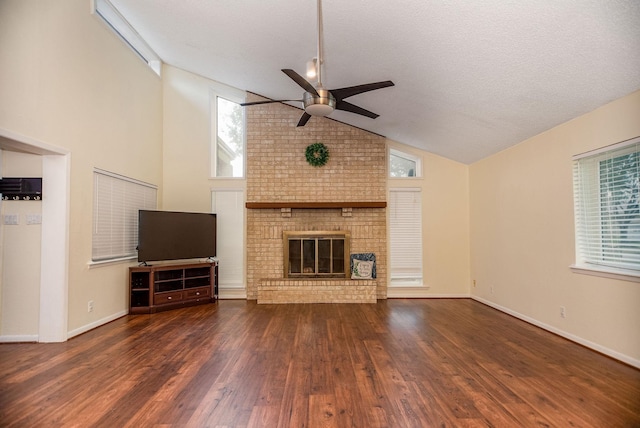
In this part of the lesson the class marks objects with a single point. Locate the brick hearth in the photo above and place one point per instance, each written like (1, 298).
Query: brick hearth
(316, 291)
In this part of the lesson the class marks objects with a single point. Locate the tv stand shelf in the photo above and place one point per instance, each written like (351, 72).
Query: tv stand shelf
(163, 287)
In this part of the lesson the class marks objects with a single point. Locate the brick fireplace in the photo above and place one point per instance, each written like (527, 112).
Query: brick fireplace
(285, 193)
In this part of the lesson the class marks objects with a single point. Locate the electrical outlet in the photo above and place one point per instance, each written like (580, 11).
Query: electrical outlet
(474, 283)
(563, 312)
(492, 289)
(90, 306)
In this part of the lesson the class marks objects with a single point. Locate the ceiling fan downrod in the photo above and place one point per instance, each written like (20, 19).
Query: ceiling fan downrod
(321, 103)
(319, 46)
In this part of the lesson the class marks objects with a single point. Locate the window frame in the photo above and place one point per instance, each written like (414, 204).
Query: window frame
(588, 165)
(235, 96)
(408, 156)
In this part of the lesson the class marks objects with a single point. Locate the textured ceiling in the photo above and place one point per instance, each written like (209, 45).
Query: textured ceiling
(472, 77)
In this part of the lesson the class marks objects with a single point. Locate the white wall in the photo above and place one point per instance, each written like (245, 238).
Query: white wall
(69, 82)
(522, 235)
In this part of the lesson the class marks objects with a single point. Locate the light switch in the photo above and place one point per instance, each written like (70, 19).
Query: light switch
(34, 218)
(11, 219)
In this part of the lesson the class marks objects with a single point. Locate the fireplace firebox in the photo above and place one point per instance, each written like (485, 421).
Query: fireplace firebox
(314, 254)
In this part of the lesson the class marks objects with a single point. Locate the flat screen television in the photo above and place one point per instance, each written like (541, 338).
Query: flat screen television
(171, 235)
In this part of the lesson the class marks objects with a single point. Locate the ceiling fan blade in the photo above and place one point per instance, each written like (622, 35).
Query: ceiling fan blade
(350, 91)
(304, 119)
(266, 102)
(345, 106)
(300, 81)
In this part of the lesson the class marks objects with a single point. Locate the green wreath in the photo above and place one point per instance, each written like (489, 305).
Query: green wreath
(317, 154)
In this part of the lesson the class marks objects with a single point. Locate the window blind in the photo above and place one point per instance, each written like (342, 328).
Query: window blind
(117, 200)
(229, 208)
(405, 224)
(607, 212)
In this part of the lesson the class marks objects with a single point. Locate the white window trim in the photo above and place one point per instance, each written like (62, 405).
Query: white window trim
(119, 25)
(605, 272)
(585, 268)
(237, 96)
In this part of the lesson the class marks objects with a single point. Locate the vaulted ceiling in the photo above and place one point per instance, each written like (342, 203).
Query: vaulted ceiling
(472, 77)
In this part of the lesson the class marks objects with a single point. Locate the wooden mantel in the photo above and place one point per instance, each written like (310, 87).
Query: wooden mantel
(315, 205)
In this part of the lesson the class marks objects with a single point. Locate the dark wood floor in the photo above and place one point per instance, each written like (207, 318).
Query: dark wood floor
(398, 363)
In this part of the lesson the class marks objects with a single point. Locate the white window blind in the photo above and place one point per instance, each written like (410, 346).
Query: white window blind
(607, 214)
(405, 224)
(117, 200)
(228, 205)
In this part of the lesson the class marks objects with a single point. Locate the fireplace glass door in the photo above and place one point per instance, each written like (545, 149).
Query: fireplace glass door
(315, 255)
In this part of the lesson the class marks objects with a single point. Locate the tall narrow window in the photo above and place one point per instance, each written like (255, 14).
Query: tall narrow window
(405, 224)
(606, 196)
(229, 208)
(229, 146)
(116, 203)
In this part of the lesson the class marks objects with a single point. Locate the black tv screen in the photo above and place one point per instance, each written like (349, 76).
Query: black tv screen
(171, 235)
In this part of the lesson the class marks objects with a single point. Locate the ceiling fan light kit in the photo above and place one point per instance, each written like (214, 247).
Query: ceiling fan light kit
(311, 68)
(320, 105)
(321, 102)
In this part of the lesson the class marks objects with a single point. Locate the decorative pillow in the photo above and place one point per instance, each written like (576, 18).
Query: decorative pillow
(367, 257)
(361, 269)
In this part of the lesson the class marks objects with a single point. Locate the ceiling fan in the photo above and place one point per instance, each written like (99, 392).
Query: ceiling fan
(318, 101)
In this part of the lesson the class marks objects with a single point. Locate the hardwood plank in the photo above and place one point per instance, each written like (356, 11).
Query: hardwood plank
(399, 362)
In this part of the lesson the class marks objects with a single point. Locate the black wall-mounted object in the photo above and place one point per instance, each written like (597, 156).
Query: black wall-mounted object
(21, 189)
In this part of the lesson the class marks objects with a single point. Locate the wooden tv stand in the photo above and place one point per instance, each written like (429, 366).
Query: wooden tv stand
(157, 288)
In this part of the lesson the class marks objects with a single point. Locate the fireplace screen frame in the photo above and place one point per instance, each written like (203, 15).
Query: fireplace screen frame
(312, 240)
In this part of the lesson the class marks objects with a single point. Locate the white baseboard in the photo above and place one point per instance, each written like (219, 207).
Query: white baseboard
(19, 338)
(232, 293)
(584, 342)
(419, 293)
(95, 324)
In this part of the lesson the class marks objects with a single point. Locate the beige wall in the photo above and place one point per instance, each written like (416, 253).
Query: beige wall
(68, 81)
(522, 234)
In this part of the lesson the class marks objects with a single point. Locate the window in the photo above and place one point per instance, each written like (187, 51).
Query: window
(403, 164)
(105, 10)
(228, 205)
(229, 145)
(116, 202)
(607, 214)
(405, 233)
